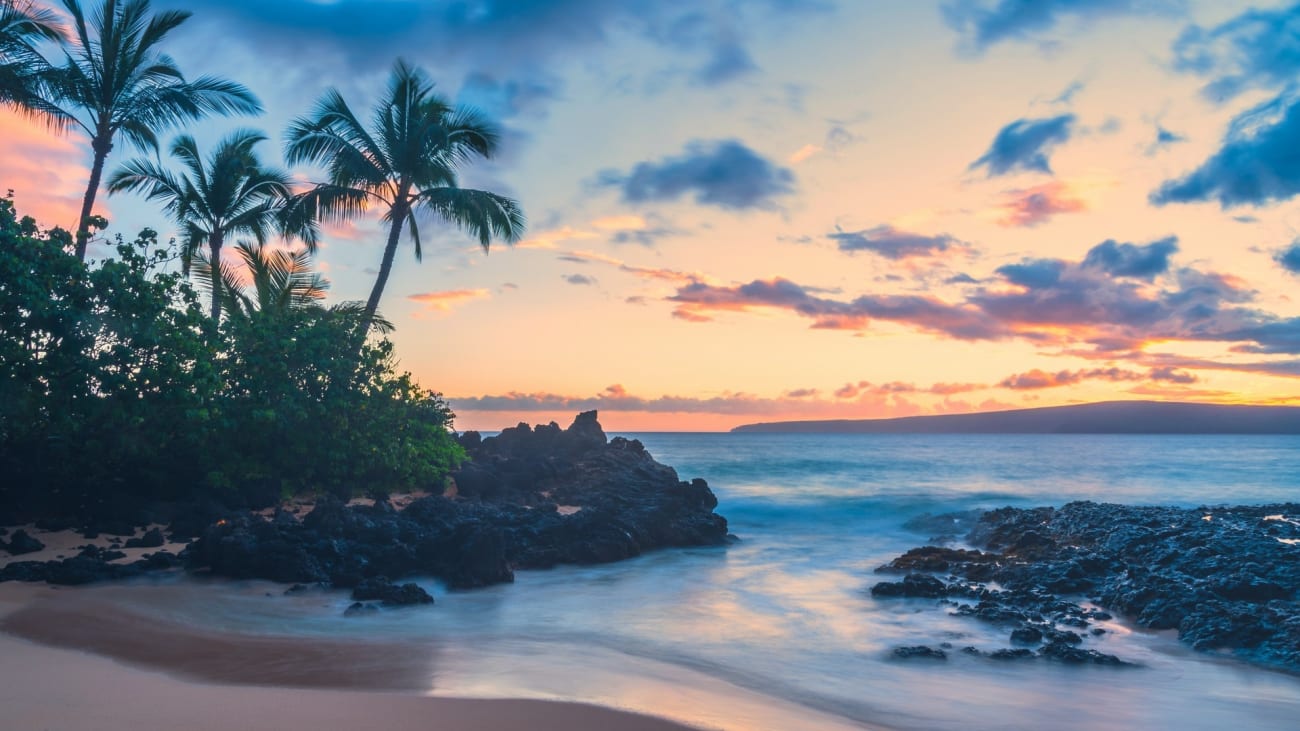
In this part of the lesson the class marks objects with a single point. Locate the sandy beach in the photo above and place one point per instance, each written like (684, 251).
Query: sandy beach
(64, 685)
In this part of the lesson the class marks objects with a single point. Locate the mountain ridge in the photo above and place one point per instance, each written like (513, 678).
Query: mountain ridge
(1101, 417)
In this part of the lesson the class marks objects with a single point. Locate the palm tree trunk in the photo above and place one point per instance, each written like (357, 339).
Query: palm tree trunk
(101, 147)
(214, 246)
(400, 213)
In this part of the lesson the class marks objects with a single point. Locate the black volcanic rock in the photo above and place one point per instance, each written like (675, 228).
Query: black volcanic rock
(1227, 578)
(390, 594)
(152, 538)
(503, 514)
(21, 543)
(919, 651)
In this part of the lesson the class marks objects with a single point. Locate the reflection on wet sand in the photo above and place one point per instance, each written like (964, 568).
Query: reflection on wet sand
(70, 620)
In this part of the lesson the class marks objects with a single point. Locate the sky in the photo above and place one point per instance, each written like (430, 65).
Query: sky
(802, 209)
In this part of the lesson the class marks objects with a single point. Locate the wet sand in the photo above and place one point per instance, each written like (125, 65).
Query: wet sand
(49, 679)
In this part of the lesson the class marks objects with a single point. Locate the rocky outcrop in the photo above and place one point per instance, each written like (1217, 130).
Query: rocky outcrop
(506, 513)
(20, 543)
(1227, 578)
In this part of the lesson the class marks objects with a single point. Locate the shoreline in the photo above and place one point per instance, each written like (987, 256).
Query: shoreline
(65, 685)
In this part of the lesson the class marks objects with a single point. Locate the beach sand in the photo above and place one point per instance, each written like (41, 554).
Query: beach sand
(51, 680)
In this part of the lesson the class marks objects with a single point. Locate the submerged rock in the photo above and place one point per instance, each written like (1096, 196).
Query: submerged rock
(919, 651)
(390, 594)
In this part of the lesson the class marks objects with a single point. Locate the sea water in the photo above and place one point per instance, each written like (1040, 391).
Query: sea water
(778, 630)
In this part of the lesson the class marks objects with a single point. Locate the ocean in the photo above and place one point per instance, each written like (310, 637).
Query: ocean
(778, 631)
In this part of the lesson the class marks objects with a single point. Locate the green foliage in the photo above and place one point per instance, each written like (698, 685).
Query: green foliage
(116, 388)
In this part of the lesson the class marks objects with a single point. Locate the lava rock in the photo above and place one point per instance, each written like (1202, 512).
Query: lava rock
(390, 594)
(152, 538)
(21, 543)
(912, 585)
(1026, 636)
(919, 651)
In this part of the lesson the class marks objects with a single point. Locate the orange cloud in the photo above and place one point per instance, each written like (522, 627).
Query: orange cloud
(447, 300)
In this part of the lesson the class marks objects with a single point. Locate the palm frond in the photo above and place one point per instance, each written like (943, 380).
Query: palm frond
(479, 213)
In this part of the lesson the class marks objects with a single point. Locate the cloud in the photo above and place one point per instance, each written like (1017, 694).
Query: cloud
(985, 23)
(1025, 144)
(521, 42)
(892, 243)
(1256, 49)
(1117, 298)
(1033, 273)
(723, 173)
(1039, 379)
(447, 300)
(1169, 374)
(1132, 260)
(1164, 138)
(580, 280)
(1289, 258)
(697, 301)
(1067, 96)
(867, 389)
(1256, 164)
(1029, 207)
(47, 171)
(865, 401)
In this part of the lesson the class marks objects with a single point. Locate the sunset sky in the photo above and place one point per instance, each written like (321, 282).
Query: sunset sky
(784, 209)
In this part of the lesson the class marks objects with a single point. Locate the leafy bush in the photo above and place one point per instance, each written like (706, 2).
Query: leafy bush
(116, 391)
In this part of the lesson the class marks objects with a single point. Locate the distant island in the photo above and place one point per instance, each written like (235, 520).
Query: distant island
(1106, 417)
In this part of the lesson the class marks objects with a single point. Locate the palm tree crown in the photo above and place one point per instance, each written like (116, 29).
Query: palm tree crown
(405, 163)
(23, 26)
(231, 194)
(271, 282)
(115, 82)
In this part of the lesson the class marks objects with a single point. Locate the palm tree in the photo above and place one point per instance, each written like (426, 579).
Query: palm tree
(272, 282)
(231, 194)
(405, 163)
(23, 26)
(115, 82)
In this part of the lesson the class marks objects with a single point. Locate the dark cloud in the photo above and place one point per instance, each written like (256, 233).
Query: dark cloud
(1256, 165)
(725, 173)
(983, 23)
(1256, 49)
(1164, 138)
(507, 98)
(644, 236)
(519, 39)
(580, 279)
(1289, 258)
(696, 301)
(1025, 145)
(892, 243)
(1116, 298)
(1031, 207)
(1169, 374)
(1033, 273)
(961, 278)
(1143, 261)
